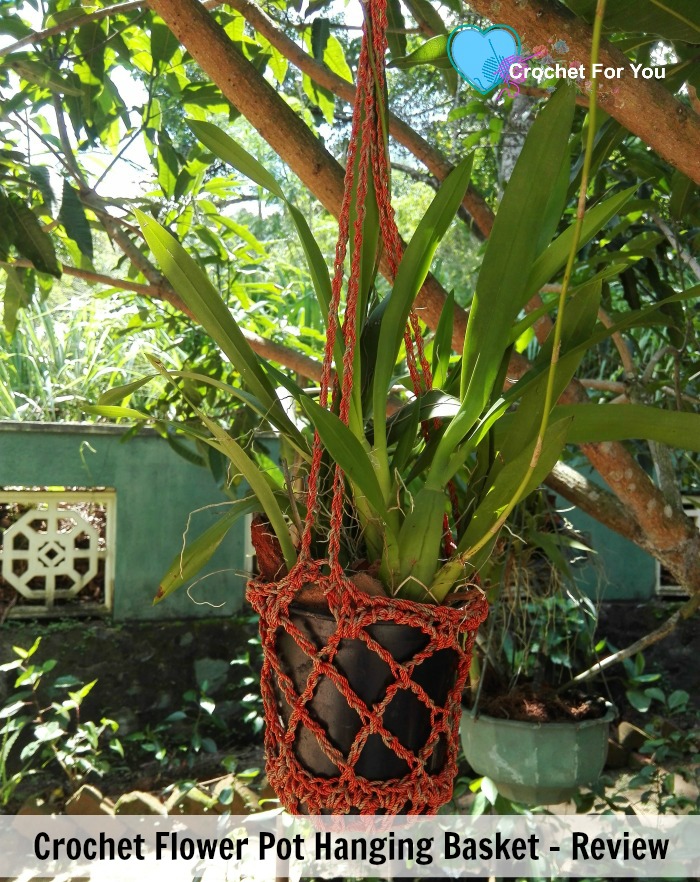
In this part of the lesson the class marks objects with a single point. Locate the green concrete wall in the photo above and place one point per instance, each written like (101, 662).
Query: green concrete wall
(618, 569)
(156, 491)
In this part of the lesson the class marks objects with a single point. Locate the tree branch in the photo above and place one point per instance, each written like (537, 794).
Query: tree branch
(268, 349)
(644, 107)
(684, 255)
(668, 627)
(594, 500)
(438, 165)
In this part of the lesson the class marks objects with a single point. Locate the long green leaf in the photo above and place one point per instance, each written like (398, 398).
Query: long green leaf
(628, 422)
(296, 440)
(115, 413)
(72, 216)
(433, 51)
(249, 469)
(198, 553)
(348, 452)
(497, 499)
(119, 393)
(579, 320)
(510, 254)
(192, 284)
(553, 258)
(419, 543)
(226, 148)
(413, 269)
(442, 343)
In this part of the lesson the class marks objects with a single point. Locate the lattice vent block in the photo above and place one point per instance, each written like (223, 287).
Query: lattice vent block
(57, 554)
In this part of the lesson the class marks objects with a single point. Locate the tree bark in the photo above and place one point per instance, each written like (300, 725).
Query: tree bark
(644, 107)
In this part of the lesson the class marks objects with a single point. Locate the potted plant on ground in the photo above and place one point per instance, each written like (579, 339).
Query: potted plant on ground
(537, 739)
(367, 593)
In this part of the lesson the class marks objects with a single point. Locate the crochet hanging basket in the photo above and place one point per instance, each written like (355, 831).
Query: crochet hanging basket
(361, 693)
(362, 707)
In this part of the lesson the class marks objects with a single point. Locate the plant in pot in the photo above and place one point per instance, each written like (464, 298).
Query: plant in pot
(367, 598)
(535, 737)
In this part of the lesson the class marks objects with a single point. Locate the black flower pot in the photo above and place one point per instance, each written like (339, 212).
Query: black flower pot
(363, 706)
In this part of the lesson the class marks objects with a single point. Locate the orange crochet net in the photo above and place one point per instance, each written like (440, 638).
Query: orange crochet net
(362, 698)
(315, 773)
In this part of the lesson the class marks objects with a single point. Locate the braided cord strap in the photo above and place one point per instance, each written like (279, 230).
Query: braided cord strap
(362, 696)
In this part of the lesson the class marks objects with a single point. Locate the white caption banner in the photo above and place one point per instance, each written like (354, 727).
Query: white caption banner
(274, 844)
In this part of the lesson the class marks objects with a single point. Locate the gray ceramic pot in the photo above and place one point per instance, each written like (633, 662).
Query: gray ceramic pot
(536, 763)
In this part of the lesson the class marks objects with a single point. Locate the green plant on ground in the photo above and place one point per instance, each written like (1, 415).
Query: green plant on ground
(183, 735)
(36, 737)
(542, 628)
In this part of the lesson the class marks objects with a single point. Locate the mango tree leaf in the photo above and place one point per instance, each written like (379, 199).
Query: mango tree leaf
(163, 44)
(334, 59)
(425, 14)
(395, 19)
(683, 192)
(75, 223)
(433, 51)
(40, 175)
(321, 97)
(91, 40)
(29, 238)
(320, 32)
(40, 74)
(15, 297)
(168, 165)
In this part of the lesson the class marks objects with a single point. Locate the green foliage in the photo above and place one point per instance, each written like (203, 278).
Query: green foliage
(106, 101)
(35, 736)
(512, 253)
(61, 356)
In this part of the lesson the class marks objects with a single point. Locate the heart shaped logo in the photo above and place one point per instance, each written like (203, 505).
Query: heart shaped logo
(483, 58)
